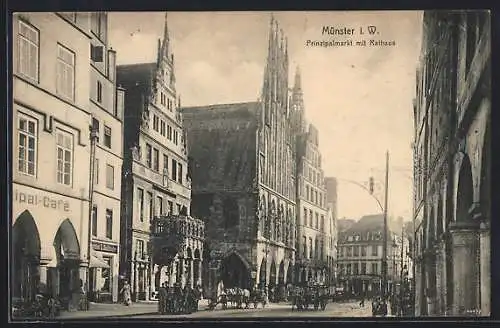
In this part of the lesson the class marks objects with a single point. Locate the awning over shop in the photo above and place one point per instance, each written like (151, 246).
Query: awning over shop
(97, 262)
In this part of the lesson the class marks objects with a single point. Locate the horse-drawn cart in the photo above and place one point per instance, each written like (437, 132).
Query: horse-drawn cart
(315, 296)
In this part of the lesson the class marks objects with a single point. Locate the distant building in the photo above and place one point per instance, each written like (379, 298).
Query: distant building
(243, 169)
(331, 195)
(332, 219)
(155, 178)
(360, 254)
(452, 165)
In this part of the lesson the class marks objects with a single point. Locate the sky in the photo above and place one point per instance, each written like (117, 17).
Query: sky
(359, 98)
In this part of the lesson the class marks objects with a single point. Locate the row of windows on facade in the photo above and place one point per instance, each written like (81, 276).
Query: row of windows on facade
(314, 196)
(316, 252)
(348, 251)
(153, 162)
(109, 222)
(27, 153)
(161, 207)
(316, 178)
(315, 158)
(357, 268)
(317, 224)
(28, 147)
(107, 132)
(370, 235)
(28, 60)
(165, 129)
(167, 102)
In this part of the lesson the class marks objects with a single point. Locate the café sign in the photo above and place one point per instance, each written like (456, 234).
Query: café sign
(41, 200)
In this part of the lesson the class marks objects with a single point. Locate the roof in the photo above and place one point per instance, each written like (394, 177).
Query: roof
(373, 223)
(135, 74)
(344, 224)
(223, 111)
(222, 146)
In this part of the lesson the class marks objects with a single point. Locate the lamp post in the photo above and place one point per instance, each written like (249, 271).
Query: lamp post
(93, 137)
(384, 210)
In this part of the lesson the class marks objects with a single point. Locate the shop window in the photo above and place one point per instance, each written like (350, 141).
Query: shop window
(106, 276)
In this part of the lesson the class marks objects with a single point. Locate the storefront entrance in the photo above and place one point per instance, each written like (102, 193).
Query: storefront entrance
(25, 258)
(65, 280)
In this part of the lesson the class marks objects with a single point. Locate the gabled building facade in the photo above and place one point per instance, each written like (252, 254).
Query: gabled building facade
(155, 179)
(312, 227)
(243, 169)
(452, 164)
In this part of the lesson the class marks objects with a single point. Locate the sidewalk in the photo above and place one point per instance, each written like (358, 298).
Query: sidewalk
(100, 310)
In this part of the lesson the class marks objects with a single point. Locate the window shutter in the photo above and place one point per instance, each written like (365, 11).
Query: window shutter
(96, 53)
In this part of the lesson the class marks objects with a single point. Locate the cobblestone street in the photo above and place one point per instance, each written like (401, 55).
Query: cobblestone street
(149, 311)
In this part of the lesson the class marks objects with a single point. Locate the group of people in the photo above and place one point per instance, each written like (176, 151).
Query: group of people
(177, 299)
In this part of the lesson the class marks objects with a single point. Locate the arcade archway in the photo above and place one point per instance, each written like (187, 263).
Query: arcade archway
(263, 273)
(25, 257)
(465, 191)
(64, 279)
(272, 274)
(235, 272)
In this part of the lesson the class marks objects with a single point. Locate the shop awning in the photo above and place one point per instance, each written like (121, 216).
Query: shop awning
(97, 262)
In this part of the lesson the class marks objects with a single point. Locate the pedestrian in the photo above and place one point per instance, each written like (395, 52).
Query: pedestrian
(162, 299)
(362, 302)
(125, 291)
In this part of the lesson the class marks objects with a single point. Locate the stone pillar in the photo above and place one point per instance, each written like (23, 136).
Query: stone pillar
(485, 268)
(135, 282)
(465, 242)
(191, 273)
(439, 287)
(200, 272)
(181, 274)
(147, 280)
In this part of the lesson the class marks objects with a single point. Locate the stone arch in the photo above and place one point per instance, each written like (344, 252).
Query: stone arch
(26, 250)
(236, 271)
(272, 273)
(25, 234)
(431, 225)
(485, 175)
(67, 249)
(281, 273)
(289, 273)
(66, 242)
(197, 253)
(189, 253)
(263, 272)
(439, 219)
(465, 191)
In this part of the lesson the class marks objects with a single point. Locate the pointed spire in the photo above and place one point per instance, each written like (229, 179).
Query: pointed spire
(298, 82)
(166, 36)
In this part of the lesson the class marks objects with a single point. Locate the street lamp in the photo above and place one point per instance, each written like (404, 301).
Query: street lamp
(93, 138)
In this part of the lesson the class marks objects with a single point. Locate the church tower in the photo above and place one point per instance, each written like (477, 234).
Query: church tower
(297, 105)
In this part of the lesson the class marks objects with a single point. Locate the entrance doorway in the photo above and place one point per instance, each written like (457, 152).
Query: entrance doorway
(25, 258)
(235, 272)
(67, 249)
